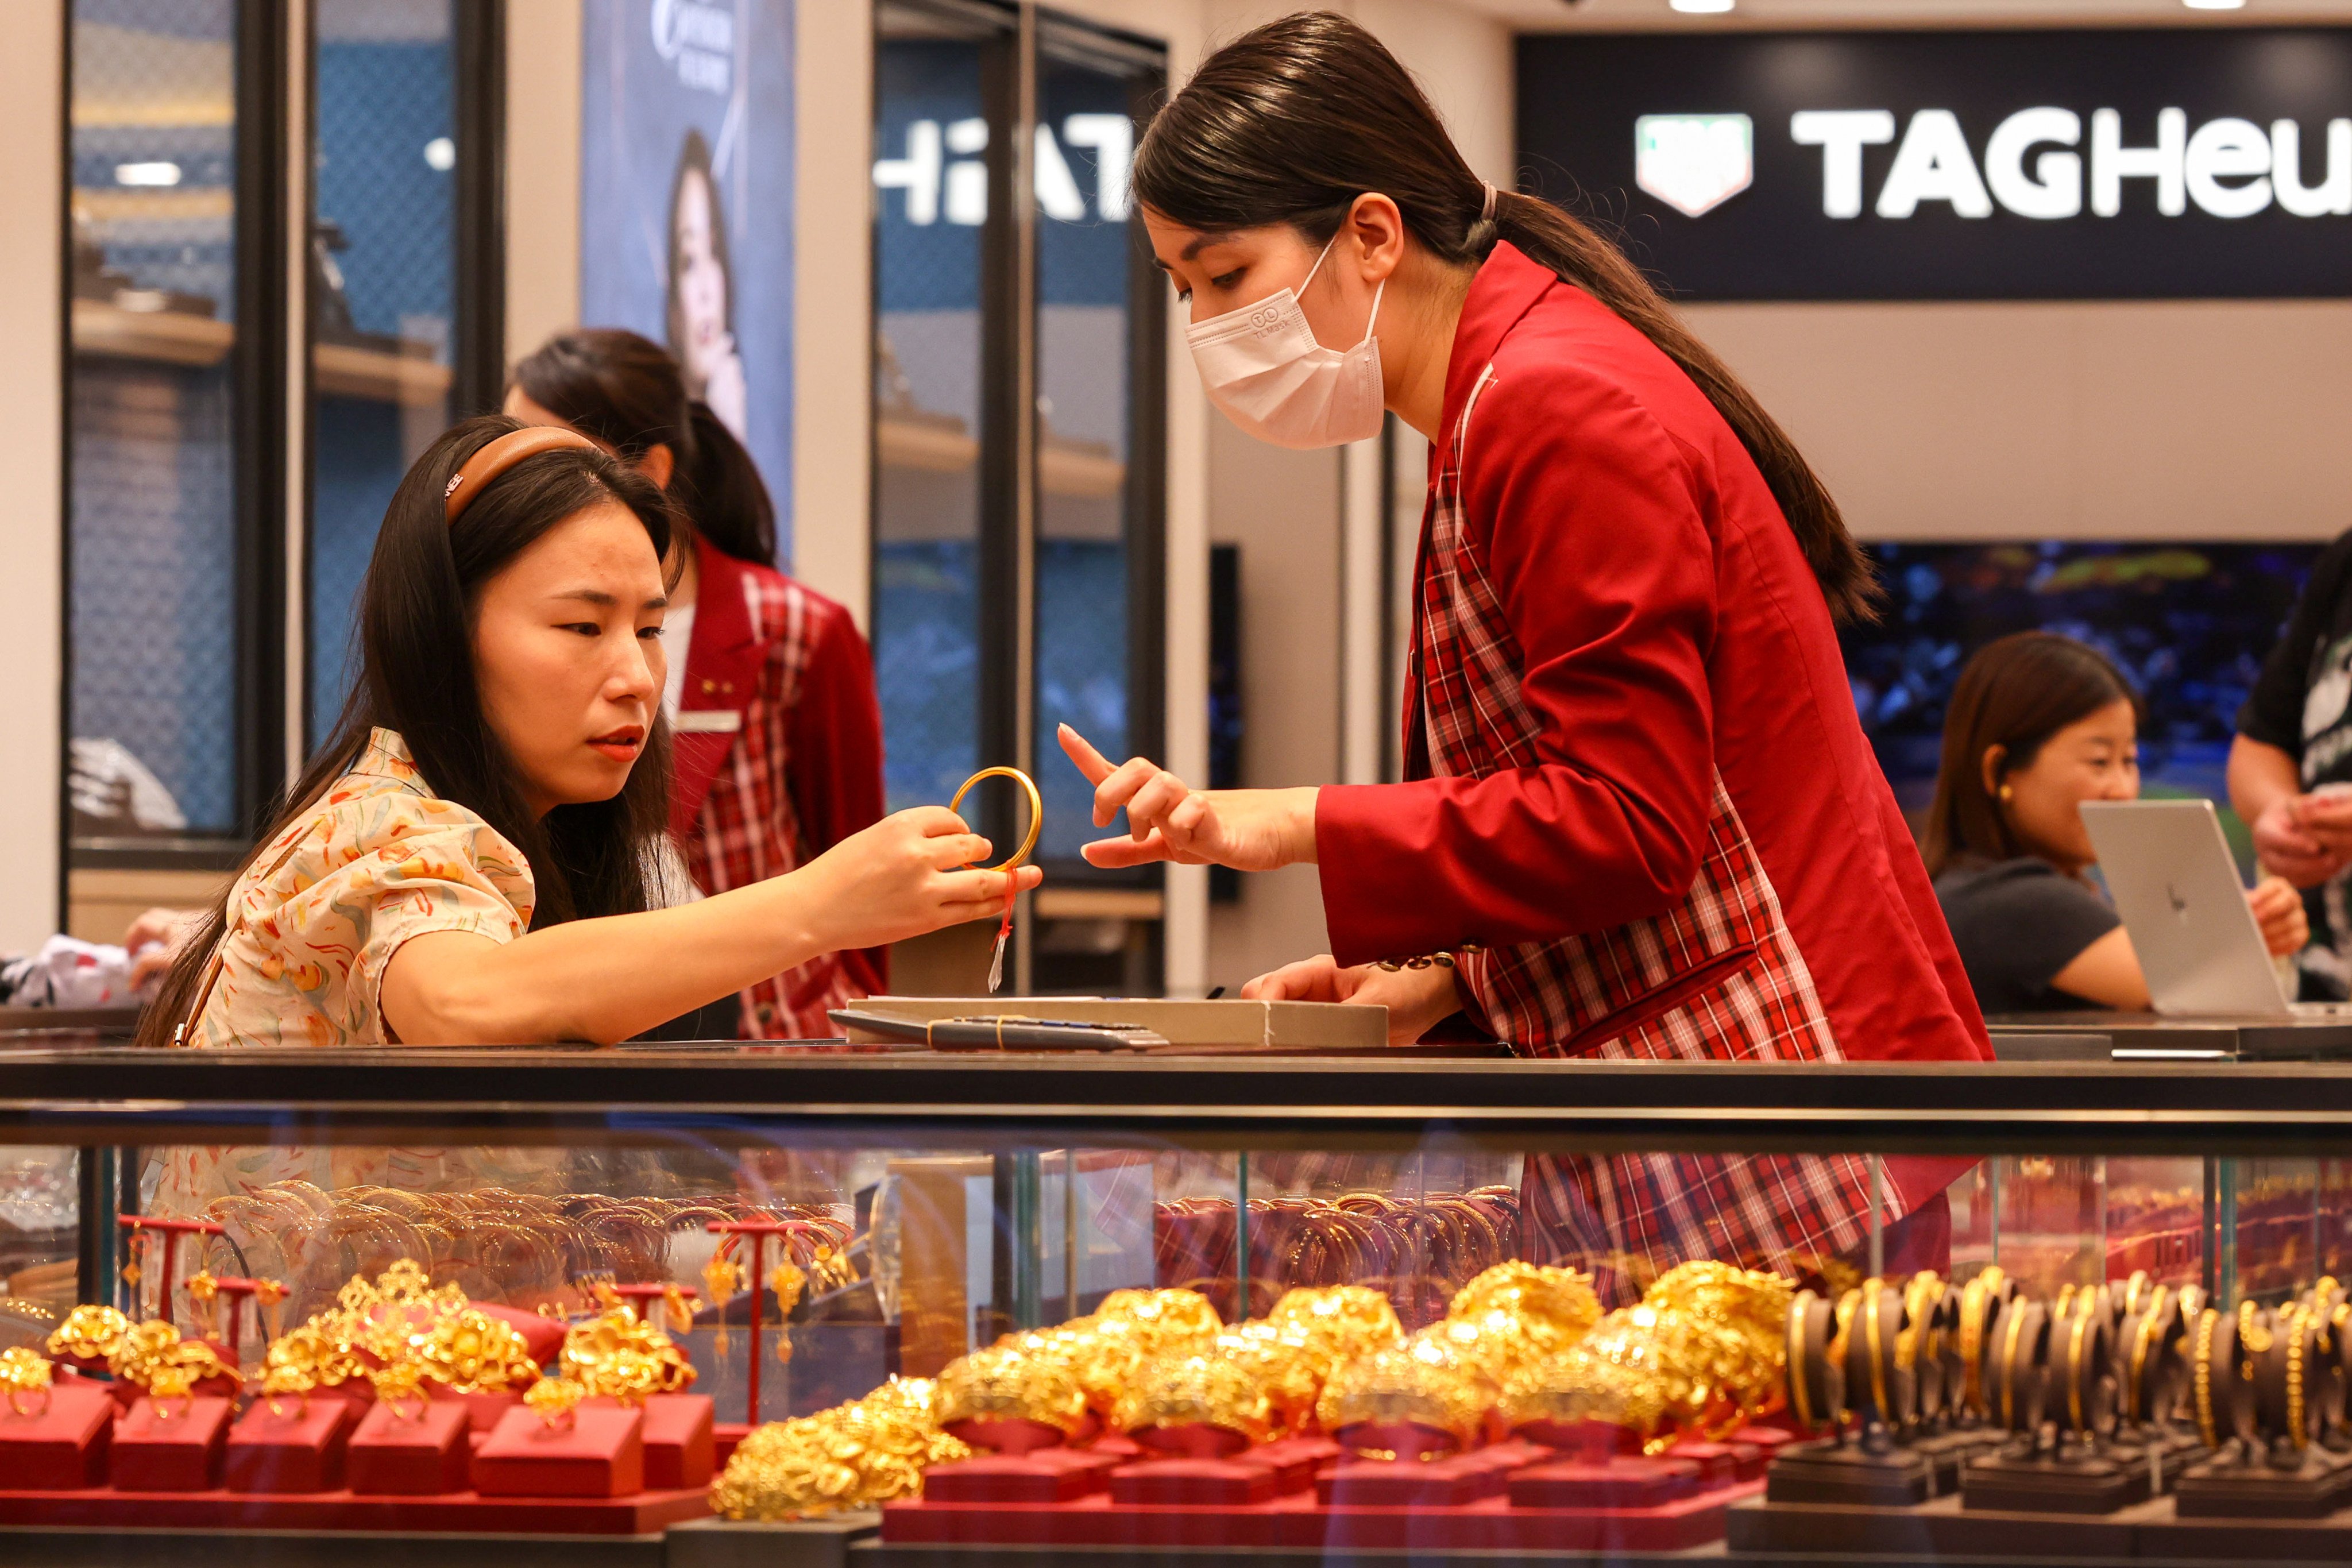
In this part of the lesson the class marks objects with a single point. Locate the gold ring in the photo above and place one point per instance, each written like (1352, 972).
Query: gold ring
(17, 1397)
(301, 1410)
(1036, 808)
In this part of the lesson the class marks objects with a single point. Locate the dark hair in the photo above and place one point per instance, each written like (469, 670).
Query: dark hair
(2015, 693)
(626, 391)
(693, 160)
(416, 623)
(1290, 123)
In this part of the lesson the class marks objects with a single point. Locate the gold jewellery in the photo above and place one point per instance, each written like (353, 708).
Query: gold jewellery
(1872, 1289)
(2139, 1396)
(24, 1374)
(2207, 1321)
(556, 1402)
(618, 1355)
(853, 1455)
(400, 1389)
(88, 1333)
(2295, 1338)
(1010, 866)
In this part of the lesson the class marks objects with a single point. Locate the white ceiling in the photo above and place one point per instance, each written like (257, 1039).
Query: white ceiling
(1642, 15)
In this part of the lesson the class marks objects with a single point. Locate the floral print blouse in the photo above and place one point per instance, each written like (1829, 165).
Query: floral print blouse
(311, 924)
(324, 906)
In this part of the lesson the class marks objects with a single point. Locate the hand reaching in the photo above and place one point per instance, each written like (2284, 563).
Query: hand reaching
(1417, 999)
(1248, 829)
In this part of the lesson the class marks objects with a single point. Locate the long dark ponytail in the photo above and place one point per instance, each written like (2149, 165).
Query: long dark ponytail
(626, 390)
(1291, 122)
(416, 677)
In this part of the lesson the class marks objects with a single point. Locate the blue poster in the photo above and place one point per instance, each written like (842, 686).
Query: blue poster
(686, 203)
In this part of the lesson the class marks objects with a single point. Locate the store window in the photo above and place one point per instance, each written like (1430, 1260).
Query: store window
(382, 260)
(156, 586)
(1018, 417)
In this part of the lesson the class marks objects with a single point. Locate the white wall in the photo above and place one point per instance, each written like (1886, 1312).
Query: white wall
(32, 437)
(543, 172)
(2172, 419)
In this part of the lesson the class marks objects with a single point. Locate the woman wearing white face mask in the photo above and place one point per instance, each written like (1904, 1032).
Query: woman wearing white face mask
(1639, 817)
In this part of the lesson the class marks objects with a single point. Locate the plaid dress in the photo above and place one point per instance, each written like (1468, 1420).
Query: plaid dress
(1716, 977)
(787, 662)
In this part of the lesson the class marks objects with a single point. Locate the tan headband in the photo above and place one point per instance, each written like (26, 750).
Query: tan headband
(500, 456)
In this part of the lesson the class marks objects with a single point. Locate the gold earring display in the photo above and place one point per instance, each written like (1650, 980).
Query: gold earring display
(787, 1282)
(722, 1278)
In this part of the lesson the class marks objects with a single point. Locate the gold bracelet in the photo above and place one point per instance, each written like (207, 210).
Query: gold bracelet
(2254, 1337)
(1973, 1296)
(2206, 1322)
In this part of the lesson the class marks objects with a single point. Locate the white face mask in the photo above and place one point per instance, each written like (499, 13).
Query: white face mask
(1262, 365)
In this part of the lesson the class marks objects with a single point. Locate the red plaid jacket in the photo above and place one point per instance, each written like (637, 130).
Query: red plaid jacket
(1638, 782)
(779, 757)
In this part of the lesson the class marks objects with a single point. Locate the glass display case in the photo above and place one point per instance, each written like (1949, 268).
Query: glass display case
(950, 1304)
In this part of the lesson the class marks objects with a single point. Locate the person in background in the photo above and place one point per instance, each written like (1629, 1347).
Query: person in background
(2291, 764)
(771, 689)
(2039, 724)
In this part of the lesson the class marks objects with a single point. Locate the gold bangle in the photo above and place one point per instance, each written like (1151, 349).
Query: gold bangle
(1872, 1288)
(1972, 1306)
(2150, 1324)
(2206, 1322)
(1800, 1329)
(2009, 1363)
(2075, 1369)
(1036, 811)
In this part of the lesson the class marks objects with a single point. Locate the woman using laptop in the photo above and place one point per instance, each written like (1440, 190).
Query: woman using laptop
(2039, 724)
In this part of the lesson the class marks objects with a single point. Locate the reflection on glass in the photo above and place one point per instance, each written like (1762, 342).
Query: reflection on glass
(153, 213)
(383, 292)
(1085, 142)
(931, 200)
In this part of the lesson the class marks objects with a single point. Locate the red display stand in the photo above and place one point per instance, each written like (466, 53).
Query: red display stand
(179, 1453)
(1297, 1522)
(299, 1450)
(1720, 1463)
(65, 1445)
(601, 1454)
(412, 1455)
(1039, 1476)
(643, 1514)
(1619, 1483)
(1194, 1483)
(679, 1451)
(1426, 1483)
(483, 1411)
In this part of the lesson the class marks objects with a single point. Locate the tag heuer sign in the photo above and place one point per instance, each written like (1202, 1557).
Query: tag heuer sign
(1693, 162)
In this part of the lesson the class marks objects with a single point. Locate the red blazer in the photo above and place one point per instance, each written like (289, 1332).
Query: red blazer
(1665, 631)
(779, 757)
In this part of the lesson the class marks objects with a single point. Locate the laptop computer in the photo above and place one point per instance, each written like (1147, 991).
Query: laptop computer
(2175, 884)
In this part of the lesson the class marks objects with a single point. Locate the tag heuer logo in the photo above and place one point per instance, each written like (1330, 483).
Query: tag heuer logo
(1693, 162)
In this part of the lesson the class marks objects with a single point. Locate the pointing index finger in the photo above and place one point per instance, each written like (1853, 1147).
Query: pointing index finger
(1091, 763)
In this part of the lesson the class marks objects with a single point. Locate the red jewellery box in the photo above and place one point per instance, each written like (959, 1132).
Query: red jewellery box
(1194, 1483)
(410, 1454)
(178, 1452)
(290, 1449)
(483, 1411)
(679, 1449)
(600, 1454)
(1614, 1483)
(60, 1447)
(1042, 1475)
